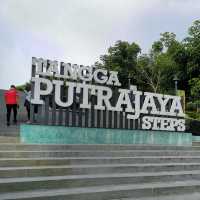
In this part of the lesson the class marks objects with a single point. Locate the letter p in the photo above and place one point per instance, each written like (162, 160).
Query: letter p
(38, 91)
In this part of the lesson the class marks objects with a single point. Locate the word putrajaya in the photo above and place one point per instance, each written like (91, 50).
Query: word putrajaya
(159, 112)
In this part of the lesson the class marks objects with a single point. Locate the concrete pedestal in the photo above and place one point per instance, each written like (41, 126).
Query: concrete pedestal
(75, 135)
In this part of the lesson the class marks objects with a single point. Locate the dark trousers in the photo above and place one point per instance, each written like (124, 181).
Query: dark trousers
(27, 105)
(28, 108)
(28, 112)
(11, 107)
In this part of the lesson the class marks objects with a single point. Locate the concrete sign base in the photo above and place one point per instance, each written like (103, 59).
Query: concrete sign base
(40, 134)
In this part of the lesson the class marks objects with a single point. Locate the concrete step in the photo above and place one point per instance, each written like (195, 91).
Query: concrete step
(108, 191)
(68, 153)
(73, 181)
(196, 148)
(190, 196)
(8, 139)
(97, 171)
(110, 147)
(11, 131)
(4, 128)
(11, 172)
(53, 161)
(196, 143)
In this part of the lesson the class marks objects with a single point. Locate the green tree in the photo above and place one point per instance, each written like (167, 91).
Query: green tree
(167, 39)
(121, 57)
(195, 87)
(23, 87)
(155, 69)
(192, 44)
(177, 53)
(157, 47)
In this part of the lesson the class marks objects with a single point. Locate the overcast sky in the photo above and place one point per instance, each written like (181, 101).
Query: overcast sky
(79, 31)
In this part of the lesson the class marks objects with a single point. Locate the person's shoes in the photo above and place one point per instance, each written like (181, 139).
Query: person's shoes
(28, 122)
(15, 122)
(8, 123)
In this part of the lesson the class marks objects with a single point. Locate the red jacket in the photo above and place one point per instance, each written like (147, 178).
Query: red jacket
(11, 96)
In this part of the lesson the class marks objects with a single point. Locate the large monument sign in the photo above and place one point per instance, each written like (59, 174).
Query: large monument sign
(72, 95)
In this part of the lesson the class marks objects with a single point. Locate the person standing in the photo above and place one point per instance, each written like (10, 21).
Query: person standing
(11, 99)
(27, 102)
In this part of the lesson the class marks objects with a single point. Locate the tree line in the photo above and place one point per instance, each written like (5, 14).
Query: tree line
(168, 57)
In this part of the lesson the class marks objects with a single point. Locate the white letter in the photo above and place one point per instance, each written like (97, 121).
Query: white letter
(70, 95)
(146, 122)
(124, 99)
(181, 126)
(85, 103)
(38, 91)
(156, 121)
(41, 65)
(69, 72)
(113, 79)
(85, 73)
(137, 105)
(103, 95)
(176, 107)
(103, 78)
(52, 68)
(149, 102)
(165, 124)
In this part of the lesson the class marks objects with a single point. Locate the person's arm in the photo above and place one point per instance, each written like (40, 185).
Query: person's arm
(26, 92)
